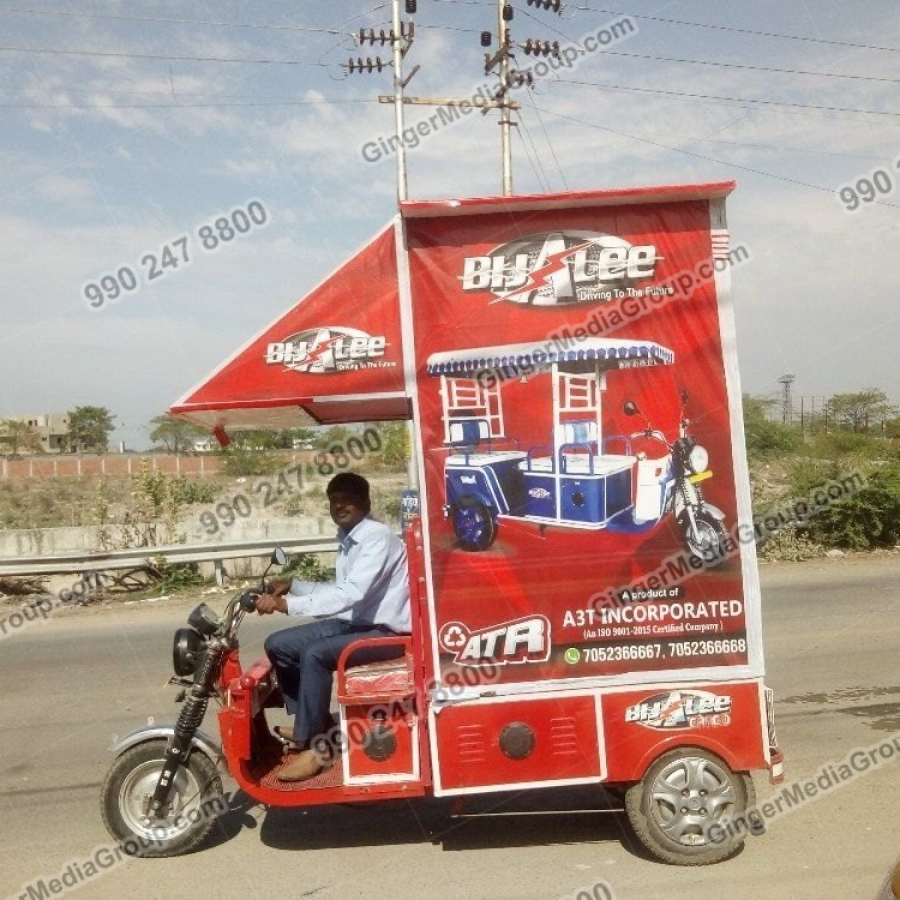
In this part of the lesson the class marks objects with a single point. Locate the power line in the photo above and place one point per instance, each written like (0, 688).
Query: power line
(217, 59)
(252, 103)
(549, 143)
(785, 178)
(83, 15)
(619, 87)
(541, 176)
(735, 29)
(770, 147)
(706, 62)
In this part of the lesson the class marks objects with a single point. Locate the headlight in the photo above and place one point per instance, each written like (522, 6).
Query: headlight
(204, 620)
(698, 459)
(187, 651)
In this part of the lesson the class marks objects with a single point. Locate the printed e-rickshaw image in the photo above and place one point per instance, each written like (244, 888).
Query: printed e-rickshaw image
(572, 468)
(582, 477)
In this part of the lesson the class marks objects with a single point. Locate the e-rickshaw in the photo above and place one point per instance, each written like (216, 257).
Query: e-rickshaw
(511, 677)
(582, 478)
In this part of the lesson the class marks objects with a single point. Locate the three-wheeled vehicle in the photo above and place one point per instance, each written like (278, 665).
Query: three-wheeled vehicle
(528, 665)
(581, 478)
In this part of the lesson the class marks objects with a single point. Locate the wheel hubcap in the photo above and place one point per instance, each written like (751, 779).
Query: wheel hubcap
(690, 794)
(471, 524)
(137, 791)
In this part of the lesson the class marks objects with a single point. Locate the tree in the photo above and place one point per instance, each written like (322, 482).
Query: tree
(16, 435)
(395, 446)
(176, 435)
(255, 439)
(89, 428)
(862, 410)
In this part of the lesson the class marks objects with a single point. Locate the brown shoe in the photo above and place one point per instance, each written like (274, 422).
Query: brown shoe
(305, 765)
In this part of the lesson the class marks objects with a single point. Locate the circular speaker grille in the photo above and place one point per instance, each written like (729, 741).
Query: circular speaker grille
(380, 743)
(517, 740)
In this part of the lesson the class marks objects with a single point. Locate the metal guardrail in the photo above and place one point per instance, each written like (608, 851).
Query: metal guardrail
(81, 562)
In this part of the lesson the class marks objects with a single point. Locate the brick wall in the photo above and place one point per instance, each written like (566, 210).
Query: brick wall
(108, 464)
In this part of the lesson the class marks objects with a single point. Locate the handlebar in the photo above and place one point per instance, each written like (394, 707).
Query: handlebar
(247, 601)
(652, 433)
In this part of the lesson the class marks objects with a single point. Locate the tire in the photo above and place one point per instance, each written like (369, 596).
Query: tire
(197, 801)
(473, 523)
(711, 547)
(659, 820)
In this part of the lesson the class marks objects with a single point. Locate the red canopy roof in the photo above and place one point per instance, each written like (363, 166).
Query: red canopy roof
(335, 356)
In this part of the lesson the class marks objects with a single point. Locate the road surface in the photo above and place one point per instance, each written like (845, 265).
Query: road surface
(69, 685)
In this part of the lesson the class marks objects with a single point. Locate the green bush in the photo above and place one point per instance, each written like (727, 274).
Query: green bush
(867, 520)
(306, 567)
(243, 462)
(174, 577)
(192, 490)
(764, 438)
(836, 444)
(790, 545)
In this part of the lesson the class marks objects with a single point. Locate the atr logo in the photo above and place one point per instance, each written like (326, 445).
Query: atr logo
(519, 641)
(560, 268)
(680, 710)
(329, 349)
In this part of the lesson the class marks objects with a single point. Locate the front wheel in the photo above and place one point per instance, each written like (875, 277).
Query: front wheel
(708, 544)
(682, 808)
(473, 523)
(196, 802)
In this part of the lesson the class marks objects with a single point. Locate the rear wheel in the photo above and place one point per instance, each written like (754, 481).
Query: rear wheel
(681, 809)
(473, 523)
(196, 802)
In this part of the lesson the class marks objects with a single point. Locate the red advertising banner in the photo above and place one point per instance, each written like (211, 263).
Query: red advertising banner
(335, 356)
(577, 441)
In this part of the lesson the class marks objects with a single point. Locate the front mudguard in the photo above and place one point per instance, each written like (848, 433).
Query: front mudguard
(714, 511)
(201, 741)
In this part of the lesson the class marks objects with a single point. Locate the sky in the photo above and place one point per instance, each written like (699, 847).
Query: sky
(140, 132)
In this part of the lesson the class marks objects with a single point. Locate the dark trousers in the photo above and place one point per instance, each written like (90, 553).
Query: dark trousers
(305, 657)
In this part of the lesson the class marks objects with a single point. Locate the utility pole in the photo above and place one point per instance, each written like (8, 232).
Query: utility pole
(400, 37)
(504, 16)
(399, 53)
(398, 98)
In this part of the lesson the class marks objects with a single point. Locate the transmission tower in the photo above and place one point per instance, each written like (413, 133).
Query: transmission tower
(787, 401)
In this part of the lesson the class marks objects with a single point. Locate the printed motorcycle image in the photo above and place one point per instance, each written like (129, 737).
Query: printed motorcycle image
(700, 522)
(583, 479)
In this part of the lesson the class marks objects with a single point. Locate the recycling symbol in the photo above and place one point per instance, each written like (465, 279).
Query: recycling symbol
(453, 637)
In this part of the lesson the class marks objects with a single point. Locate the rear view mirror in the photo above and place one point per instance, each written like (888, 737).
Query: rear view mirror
(279, 557)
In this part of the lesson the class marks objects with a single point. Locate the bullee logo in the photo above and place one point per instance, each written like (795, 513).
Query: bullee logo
(560, 268)
(519, 641)
(329, 349)
(680, 710)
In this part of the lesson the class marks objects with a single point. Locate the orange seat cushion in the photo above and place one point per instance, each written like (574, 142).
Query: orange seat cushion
(389, 677)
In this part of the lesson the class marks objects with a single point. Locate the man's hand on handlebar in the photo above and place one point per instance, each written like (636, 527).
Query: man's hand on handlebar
(278, 587)
(269, 603)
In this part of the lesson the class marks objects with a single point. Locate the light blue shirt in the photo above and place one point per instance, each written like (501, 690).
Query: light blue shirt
(371, 584)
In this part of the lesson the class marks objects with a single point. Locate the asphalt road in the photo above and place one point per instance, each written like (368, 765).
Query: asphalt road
(69, 685)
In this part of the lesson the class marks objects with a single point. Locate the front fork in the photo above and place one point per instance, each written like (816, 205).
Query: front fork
(189, 721)
(688, 501)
